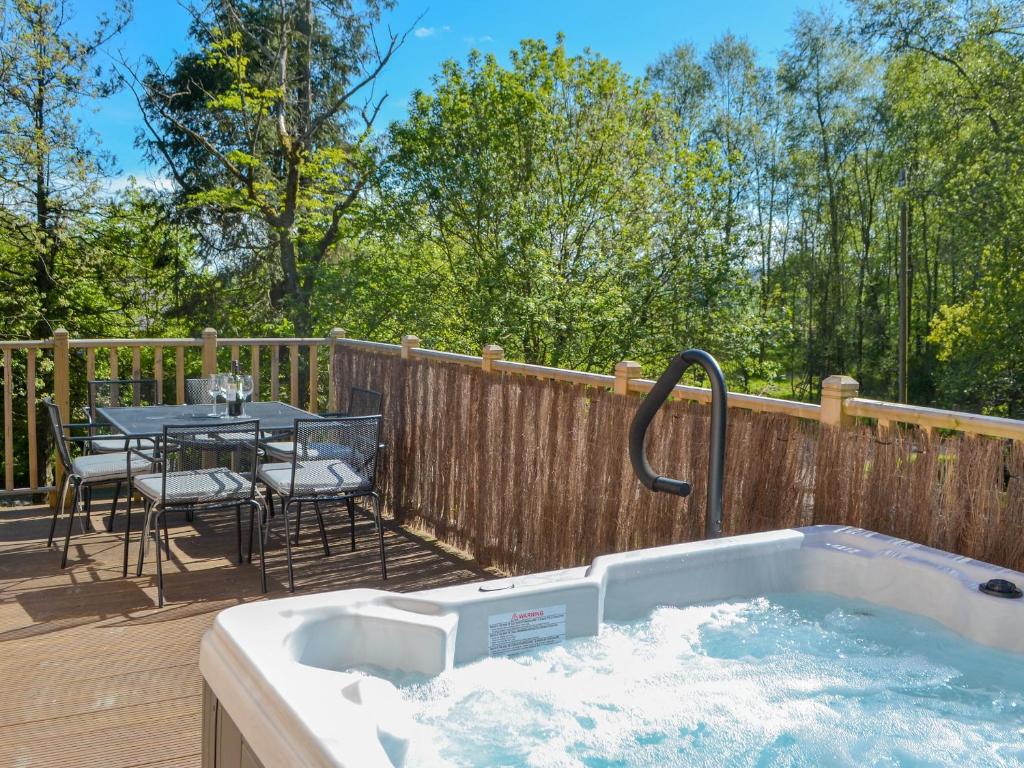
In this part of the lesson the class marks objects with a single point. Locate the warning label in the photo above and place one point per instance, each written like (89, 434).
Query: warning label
(521, 631)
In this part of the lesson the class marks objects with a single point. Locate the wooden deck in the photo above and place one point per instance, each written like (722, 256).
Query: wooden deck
(93, 674)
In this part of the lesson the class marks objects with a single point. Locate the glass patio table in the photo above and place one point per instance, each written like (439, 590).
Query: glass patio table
(149, 420)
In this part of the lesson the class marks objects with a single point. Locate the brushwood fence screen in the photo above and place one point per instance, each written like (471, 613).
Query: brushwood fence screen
(530, 474)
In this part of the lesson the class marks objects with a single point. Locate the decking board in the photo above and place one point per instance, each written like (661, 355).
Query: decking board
(92, 674)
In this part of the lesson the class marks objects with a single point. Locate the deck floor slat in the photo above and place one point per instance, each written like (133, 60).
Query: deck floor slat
(92, 674)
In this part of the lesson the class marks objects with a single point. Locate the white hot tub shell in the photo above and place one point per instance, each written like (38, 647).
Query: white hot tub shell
(278, 668)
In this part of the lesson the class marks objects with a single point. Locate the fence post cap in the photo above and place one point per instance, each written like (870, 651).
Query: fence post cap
(493, 351)
(624, 371)
(409, 343)
(209, 332)
(337, 333)
(62, 331)
(841, 384)
(488, 355)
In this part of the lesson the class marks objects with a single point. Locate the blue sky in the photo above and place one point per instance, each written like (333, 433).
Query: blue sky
(631, 33)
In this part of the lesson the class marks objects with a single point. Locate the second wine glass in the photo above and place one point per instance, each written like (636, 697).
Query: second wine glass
(245, 392)
(213, 387)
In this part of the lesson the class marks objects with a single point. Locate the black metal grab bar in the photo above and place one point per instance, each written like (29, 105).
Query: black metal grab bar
(716, 461)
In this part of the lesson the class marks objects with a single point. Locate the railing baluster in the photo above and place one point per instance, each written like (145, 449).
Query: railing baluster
(293, 371)
(179, 374)
(314, 375)
(113, 362)
(254, 369)
(136, 363)
(90, 364)
(8, 423)
(158, 372)
(30, 418)
(234, 353)
(275, 372)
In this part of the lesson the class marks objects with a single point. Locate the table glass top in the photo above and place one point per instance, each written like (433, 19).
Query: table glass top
(150, 419)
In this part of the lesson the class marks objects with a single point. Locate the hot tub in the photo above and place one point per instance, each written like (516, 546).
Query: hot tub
(310, 680)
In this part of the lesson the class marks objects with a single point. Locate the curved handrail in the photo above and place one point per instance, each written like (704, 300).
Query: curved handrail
(716, 461)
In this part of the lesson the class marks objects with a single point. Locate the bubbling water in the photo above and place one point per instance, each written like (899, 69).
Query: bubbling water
(784, 680)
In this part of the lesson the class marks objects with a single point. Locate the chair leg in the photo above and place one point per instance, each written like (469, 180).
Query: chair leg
(269, 517)
(252, 514)
(298, 521)
(288, 545)
(238, 531)
(351, 504)
(263, 560)
(323, 531)
(167, 537)
(380, 534)
(87, 495)
(127, 531)
(113, 507)
(146, 525)
(159, 560)
(58, 508)
(71, 521)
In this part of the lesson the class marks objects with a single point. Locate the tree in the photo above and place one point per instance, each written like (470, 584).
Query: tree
(574, 222)
(50, 167)
(267, 132)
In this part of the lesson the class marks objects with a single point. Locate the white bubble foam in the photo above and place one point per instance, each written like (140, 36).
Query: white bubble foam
(778, 681)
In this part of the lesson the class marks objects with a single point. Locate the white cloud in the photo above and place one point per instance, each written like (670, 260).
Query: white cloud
(126, 181)
(475, 40)
(424, 31)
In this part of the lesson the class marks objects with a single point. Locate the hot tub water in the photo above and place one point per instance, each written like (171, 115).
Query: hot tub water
(800, 679)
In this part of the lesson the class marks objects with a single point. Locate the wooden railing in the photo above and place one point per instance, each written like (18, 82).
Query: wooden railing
(68, 363)
(840, 403)
(62, 365)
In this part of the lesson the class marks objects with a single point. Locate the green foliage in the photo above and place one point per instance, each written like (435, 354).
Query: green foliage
(563, 212)
(549, 202)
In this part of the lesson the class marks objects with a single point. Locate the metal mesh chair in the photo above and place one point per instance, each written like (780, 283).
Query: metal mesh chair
(364, 402)
(203, 468)
(197, 392)
(361, 402)
(117, 393)
(334, 460)
(85, 472)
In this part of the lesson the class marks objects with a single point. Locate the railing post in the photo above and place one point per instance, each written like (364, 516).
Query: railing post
(835, 391)
(409, 343)
(624, 371)
(490, 353)
(332, 393)
(209, 351)
(61, 392)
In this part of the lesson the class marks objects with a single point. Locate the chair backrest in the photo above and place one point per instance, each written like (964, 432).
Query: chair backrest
(364, 402)
(197, 392)
(195, 448)
(57, 432)
(321, 444)
(120, 393)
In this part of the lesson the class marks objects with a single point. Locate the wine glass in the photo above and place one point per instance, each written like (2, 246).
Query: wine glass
(214, 388)
(247, 385)
(230, 388)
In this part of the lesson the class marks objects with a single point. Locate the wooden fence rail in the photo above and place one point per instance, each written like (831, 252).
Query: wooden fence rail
(60, 366)
(526, 467)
